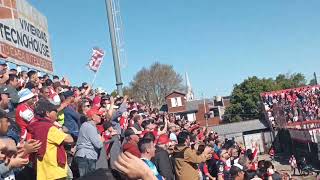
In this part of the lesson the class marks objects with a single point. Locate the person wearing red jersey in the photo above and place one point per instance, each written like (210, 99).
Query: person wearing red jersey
(25, 113)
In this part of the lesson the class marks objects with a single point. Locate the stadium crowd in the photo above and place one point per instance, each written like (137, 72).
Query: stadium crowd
(299, 104)
(52, 130)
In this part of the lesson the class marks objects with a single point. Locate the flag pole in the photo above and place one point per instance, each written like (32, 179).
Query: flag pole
(94, 79)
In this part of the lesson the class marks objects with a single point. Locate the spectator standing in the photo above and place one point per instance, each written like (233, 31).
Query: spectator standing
(223, 169)
(12, 85)
(137, 119)
(271, 153)
(51, 157)
(162, 159)
(236, 172)
(293, 164)
(147, 150)
(186, 159)
(132, 138)
(12, 161)
(71, 116)
(24, 112)
(4, 73)
(89, 143)
(4, 102)
(33, 78)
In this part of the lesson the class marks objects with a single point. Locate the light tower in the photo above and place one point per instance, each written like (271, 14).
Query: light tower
(116, 37)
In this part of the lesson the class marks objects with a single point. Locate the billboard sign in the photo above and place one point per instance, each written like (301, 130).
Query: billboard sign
(24, 35)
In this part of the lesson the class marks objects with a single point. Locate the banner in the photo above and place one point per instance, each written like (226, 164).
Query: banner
(96, 59)
(24, 35)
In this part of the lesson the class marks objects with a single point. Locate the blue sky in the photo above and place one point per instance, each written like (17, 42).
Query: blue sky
(219, 43)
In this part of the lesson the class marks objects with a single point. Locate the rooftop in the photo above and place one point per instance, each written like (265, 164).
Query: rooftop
(239, 127)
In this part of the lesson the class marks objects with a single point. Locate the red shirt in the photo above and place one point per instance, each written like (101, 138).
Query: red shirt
(132, 148)
(123, 122)
(201, 136)
(154, 132)
(24, 115)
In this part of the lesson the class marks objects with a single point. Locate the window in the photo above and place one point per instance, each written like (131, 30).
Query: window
(216, 112)
(176, 102)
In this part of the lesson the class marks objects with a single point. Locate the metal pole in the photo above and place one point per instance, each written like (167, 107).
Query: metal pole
(114, 45)
(205, 110)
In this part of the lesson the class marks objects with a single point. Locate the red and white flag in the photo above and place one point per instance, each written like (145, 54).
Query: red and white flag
(96, 59)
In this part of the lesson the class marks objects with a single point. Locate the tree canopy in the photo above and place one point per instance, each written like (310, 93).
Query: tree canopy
(245, 97)
(151, 85)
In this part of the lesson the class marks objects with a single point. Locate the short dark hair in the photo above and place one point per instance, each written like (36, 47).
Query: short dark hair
(48, 82)
(268, 164)
(144, 144)
(30, 85)
(46, 76)
(12, 77)
(145, 123)
(55, 77)
(234, 171)
(31, 73)
(182, 137)
(132, 113)
(149, 135)
(43, 107)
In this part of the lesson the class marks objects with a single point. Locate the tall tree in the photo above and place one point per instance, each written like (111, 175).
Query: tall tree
(151, 85)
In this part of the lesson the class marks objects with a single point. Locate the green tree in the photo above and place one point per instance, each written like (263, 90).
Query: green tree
(245, 97)
(290, 80)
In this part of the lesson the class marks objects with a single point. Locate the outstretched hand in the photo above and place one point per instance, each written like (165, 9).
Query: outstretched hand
(133, 167)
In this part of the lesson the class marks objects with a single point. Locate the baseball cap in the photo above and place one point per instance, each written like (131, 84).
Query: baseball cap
(163, 139)
(93, 112)
(25, 94)
(131, 131)
(99, 90)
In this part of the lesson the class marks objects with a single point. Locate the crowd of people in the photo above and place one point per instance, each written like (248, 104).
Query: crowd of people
(300, 104)
(52, 130)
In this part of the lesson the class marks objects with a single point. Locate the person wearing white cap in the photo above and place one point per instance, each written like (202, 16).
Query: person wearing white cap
(24, 112)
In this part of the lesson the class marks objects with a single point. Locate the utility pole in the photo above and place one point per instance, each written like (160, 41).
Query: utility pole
(114, 45)
(315, 78)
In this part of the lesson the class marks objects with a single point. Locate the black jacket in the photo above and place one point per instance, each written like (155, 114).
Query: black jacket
(163, 163)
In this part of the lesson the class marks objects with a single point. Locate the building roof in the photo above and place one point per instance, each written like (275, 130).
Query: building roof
(239, 127)
(178, 92)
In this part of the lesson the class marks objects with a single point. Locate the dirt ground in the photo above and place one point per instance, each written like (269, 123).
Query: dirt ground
(282, 166)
